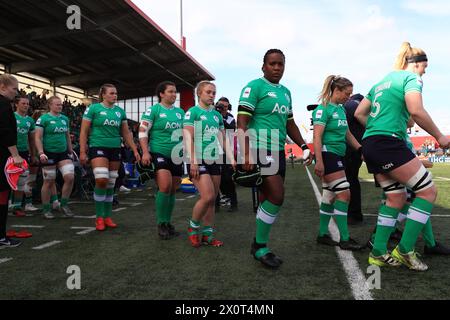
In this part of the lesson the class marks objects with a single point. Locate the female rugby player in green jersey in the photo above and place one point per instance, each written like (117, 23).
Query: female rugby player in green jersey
(25, 145)
(331, 135)
(385, 112)
(104, 124)
(55, 150)
(265, 118)
(203, 136)
(160, 133)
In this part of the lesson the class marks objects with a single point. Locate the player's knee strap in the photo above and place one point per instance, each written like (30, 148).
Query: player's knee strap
(392, 187)
(421, 181)
(113, 175)
(101, 173)
(338, 186)
(21, 183)
(327, 195)
(48, 173)
(29, 183)
(67, 169)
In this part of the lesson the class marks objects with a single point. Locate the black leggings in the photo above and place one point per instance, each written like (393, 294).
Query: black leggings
(4, 195)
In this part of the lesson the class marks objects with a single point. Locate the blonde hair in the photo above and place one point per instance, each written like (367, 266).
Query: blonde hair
(103, 90)
(7, 79)
(406, 52)
(50, 101)
(201, 85)
(332, 83)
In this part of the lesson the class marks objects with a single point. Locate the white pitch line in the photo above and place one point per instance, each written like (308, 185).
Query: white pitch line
(119, 209)
(190, 197)
(85, 217)
(136, 204)
(46, 245)
(5, 260)
(433, 215)
(27, 226)
(354, 274)
(85, 230)
(442, 178)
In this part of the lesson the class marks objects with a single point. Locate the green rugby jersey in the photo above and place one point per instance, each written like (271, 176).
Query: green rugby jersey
(106, 124)
(334, 119)
(55, 130)
(270, 107)
(25, 126)
(165, 124)
(389, 115)
(207, 124)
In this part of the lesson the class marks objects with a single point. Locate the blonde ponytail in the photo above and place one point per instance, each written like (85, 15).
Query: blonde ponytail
(406, 52)
(332, 83)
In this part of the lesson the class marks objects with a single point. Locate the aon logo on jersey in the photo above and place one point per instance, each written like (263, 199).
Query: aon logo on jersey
(22, 131)
(112, 123)
(342, 123)
(173, 125)
(280, 109)
(60, 130)
(211, 130)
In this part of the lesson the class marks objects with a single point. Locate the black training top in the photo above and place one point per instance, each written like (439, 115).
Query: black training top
(8, 126)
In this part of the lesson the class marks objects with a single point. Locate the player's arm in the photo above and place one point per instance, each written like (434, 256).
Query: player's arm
(69, 143)
(414, 104)
(84, 132)
(244, 117)
(319, 129)
(226, 146)
(363, 110)
(128, 137)
(294, 133)
(39, 145)
(145, 127)
(32, 144)
(351, 140)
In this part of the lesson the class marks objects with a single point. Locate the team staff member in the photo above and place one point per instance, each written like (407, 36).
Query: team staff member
(55, 150)
(203, 135)
(8, 133)
(330, 136)
(385, 112)
(159, 136)
(265, 111)
(104, 123)
(353, 161)
(227, 187)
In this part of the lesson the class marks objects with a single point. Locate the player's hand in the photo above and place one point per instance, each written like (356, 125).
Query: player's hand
(234, 164)
(83, 158)
(194, 172)
(43, 158)
(319, 169)
(146, 159)
(18, 161)
(444, 142)
(137, 156)
(248, 163)
(307, 157)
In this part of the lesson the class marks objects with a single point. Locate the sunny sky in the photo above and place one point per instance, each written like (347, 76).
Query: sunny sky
(358, 39)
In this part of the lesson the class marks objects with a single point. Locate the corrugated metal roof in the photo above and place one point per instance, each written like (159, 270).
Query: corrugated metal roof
(117, 44)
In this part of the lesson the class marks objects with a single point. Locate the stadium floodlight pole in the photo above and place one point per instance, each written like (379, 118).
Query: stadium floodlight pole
(181, 25)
